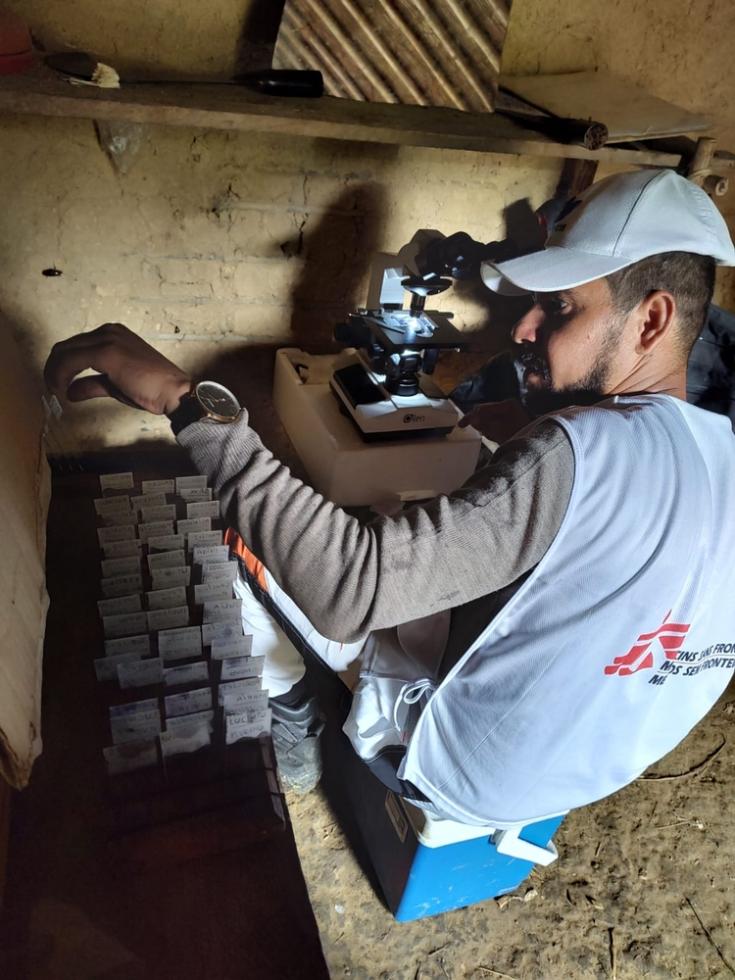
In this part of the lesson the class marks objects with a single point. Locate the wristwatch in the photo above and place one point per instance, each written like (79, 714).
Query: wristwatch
(207, 400)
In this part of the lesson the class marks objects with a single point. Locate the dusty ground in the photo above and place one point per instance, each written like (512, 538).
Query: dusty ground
(644, 887)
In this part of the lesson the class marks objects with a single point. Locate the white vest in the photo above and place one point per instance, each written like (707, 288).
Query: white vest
(617, 644)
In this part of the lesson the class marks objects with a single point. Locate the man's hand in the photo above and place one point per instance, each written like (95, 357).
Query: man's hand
(498, 421)
(129, 370)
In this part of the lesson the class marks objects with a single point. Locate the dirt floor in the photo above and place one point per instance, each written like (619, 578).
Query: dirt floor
(644, 887)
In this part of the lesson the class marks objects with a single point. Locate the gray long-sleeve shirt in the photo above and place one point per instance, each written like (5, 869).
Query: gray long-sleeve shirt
(462, 552)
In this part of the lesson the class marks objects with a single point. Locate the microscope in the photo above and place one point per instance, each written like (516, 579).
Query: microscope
(387, 389)
(369, 424)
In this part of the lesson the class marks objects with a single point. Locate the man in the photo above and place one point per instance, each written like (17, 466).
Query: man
(535, 640)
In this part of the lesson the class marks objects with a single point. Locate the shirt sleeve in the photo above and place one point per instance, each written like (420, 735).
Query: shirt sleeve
(349, 576)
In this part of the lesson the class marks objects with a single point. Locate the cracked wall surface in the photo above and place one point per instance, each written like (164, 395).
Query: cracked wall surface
(212, 243)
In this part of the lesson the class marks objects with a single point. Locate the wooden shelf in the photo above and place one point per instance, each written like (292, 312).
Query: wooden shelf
(234, 108)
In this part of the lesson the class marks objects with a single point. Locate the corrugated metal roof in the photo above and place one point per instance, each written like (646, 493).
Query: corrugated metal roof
(411, 51)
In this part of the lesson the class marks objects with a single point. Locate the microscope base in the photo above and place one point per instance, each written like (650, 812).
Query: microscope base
(340, 464)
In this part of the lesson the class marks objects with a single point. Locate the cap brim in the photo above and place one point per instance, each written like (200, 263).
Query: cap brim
(548, 271)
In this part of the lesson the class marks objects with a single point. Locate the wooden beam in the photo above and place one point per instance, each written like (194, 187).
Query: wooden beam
(234, 108)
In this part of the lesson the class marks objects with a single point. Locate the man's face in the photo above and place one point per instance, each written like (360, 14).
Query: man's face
(571, 348)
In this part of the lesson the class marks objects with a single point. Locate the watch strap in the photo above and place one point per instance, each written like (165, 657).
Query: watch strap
(189, 410)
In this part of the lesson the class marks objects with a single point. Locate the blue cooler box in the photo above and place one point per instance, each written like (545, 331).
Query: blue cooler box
(426, 866)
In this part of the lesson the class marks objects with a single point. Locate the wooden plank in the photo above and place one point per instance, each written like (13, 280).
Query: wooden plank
(24, 497)
(74, 907)
(5, 798)
(629, 112)
(233, 108)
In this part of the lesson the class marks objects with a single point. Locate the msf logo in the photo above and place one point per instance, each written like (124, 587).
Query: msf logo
(670, 636)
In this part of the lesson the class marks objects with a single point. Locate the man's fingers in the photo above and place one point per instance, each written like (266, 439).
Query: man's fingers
(67, 357)
(92, 386)
(67, 360)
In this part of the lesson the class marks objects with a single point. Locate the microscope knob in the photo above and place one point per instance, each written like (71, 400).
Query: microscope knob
(425, 287)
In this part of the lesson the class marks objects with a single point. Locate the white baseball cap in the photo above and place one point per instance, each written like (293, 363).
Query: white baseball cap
(613, 224)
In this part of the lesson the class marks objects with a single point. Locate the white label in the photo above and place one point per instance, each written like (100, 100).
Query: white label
(190, 483)
(137, 720)
(117, 517)
(137, 729)
(107, 505)
(188, 702)
(131, 756)
(192, 496)
(148, 500)
(54, 406)
(166, 559)
(140, 673)
(165, 619)
(129, 644)
(169, 542)
(247, 724)
(122, 585)
(121, 566)
(106, 667)
(187, 674)
(194, 524)
(121, 549)
(165, 513)
(204, 539)
(122, 533)
(203, 508)
(180, 644)
(166, 598)
(223, 611)
(239, 646)
(125, 625)
(220, 631)
(397, 817)
(211, 555)
(237, 668)
(178, 722)
(157, 529)
(212, 591)
(242, 692)
(225, 571)
(185, 741)
(116, 481)
(166, 578)
(157, 486)
(145, 707)
(122, 604)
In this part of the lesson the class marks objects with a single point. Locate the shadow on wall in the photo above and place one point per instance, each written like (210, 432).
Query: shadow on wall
(258, 35)
(23, 334)
(337, 252)
(498, 314)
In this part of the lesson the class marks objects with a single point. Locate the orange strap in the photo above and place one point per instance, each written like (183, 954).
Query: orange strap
(254, 566)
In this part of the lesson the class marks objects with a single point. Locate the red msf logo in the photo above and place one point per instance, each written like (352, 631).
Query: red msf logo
(640, 656)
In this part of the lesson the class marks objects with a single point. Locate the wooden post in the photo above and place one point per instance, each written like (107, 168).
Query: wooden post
(699, 167)
(576, 176)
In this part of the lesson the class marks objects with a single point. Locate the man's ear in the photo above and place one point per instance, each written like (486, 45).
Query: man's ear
(655, 317)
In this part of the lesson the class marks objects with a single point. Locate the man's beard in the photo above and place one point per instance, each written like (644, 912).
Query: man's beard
(590, 389)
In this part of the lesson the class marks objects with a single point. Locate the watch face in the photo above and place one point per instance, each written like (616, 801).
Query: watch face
(217, 400)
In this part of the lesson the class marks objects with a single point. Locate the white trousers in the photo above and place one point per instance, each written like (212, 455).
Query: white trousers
(284, 665)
